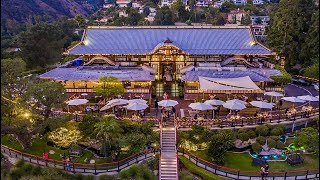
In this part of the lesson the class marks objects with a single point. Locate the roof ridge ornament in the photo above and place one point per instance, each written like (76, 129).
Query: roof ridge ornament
(167, 41)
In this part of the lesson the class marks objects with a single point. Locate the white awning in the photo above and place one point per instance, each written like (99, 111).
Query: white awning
(228, 84)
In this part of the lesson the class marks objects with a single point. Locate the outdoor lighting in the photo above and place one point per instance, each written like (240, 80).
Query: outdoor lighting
(275, 156)
(283, 154)
(265, 157)
(26, 115)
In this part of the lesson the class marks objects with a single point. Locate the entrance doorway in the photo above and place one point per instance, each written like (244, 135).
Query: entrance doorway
(167, 72)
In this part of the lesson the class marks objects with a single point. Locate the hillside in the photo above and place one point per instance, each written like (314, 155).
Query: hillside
(22, 10)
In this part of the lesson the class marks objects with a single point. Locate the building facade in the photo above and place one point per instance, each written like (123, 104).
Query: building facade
(145, 58)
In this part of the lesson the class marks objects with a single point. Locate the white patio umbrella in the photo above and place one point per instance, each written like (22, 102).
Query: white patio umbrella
(84, 94)
(136, 106)
(317, 96)
(168, 103)
(273, 93)
(117, 102)
(308, 98)
(262, 104)
(293, 99)
(200, 106)
(236, 101)
(142, 101)
(105, 107)
(234, 105)
(214, 102)
(76, 102)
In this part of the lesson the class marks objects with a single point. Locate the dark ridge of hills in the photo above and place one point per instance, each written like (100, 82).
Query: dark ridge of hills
(22, 11)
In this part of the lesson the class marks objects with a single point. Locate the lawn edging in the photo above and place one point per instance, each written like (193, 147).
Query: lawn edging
(199, 171)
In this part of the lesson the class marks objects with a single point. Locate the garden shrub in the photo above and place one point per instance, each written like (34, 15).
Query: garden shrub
(280, 145)
(107, 177)
(285, 77)
(251, 134)
(256, 147)
(262, 130)
(261, 140)
(137, 172)
(243, 136)
(185, 175)
(271, 143)
(243, 130)
(154, 163)
(276, 131)
(89, 177)
(276, 138)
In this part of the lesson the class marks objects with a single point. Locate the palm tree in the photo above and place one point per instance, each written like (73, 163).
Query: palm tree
(109, 130)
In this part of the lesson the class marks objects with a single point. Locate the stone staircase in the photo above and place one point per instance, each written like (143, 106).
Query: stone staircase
(168, 159)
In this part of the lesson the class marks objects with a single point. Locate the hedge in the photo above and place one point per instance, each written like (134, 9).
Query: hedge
(285, 77)
(204, 174)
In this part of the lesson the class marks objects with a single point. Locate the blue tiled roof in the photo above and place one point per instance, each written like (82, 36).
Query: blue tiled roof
(222, 41)
(80, 74)
(254, 74)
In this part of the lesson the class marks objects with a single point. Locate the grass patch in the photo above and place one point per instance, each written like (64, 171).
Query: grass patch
(243, 161)
(197, 170)
(11, 142)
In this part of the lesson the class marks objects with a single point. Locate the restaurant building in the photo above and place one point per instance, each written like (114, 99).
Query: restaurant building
(157, 59)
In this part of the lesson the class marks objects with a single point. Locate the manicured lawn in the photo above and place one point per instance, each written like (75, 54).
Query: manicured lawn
(11, 142)
(243, 161)
(39, 145)
(198, 171)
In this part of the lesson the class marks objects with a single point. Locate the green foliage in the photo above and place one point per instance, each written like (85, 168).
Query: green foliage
(220, 143)
(242, 130)
(276, 138)
(86, 126)
(271, 143)
(251, 134)
(261, 140)
(56, 122)
(43, 43)
(164, 16)
(80, 21)
(310, 48)
(256, 147)
(309, 139)
(246, 20)
(276, 132)
(262, 130)
(243, 136)
(289, 27)
(280, 145)
(197, 170)
(11, 69)
(69, 57)
(180, 11)
(46, 93)
(107, 177)
(109, 86)
(285, 77)
(137, 172)
(109, 130)
(312, 71)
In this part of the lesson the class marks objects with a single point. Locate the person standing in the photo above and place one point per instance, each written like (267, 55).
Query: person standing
(68, 164)
(266, 171)
(262, 172)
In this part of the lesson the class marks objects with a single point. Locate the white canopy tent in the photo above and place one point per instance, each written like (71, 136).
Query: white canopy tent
(241, 84)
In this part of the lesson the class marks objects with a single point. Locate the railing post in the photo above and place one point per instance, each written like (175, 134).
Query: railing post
(54, 163)
(285, 175)
(238, 174)
(118, 166)
(307, 174)
(37, 160)
(74, 170)
(9, 152)
(95, 168)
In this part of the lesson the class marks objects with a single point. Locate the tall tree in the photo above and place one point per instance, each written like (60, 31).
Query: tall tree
(109, 86)
(246, 20)
(164, 16)
(109, 130)
(288, 28)
(43, 43)
(46, 94)
(180, 11)
(310, 49)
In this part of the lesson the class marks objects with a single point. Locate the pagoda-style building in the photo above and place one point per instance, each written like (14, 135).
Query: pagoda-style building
(147, 59)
